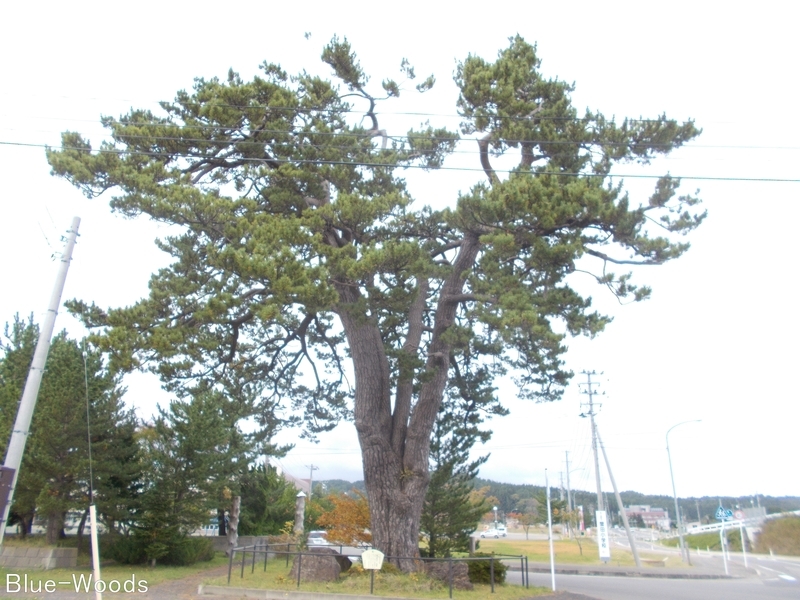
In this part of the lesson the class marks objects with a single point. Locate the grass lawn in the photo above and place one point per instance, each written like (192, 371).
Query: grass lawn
(568, 552)
(357, 581)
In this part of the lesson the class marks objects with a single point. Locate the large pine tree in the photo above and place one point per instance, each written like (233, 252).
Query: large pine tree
(304, 266)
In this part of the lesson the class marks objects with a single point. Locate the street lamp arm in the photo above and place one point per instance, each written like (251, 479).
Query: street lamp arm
(678, 425)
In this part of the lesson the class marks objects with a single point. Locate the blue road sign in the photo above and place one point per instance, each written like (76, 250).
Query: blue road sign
(723, 514)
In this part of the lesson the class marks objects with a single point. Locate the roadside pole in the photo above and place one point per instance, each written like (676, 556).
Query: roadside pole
(722, 545)
(550, 534)
(744, 544)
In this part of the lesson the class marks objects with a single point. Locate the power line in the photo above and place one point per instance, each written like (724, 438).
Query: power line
(362, 135)
(344, 109)
(409, 166)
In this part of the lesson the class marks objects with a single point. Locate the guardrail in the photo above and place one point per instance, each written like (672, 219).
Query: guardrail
(267, 549)
(717, 526)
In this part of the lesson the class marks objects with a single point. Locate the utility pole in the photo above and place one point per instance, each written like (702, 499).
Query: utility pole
(311, 468)
(19, 435)
(569, 493)
(590, 413)
(624, 516)
(561, 489)
(569, 500)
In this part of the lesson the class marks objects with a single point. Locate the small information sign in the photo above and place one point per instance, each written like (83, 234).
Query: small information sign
(603, 544)
(372, 559)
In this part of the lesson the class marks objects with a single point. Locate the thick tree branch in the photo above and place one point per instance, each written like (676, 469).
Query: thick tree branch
(448, 246)
(405, 385)
(483, 145)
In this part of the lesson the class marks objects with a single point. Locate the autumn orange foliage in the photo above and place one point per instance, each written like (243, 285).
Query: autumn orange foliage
(348, 521)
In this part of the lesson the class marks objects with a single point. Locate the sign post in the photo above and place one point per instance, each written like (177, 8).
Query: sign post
(603, 544)
(724, 515)
(372, 560)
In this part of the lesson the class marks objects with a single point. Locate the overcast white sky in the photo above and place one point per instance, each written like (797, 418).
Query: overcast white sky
(718, 339)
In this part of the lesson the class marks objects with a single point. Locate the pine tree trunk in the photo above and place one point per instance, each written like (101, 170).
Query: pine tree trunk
(81, 526)
(233, 525)
(53, 528)
(395, 441)
(223, 531)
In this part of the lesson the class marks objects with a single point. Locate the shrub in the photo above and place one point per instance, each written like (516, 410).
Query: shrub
(480, 571)
(126, 550)
(182, 551)
(189, 551)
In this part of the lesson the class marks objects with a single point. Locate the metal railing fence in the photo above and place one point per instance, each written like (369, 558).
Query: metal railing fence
(268, 550)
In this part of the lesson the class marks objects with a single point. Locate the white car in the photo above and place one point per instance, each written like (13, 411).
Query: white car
(501, 529)
(318, 538)
(491, 533)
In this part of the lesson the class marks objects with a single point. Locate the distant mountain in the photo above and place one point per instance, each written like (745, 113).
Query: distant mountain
(340, 486)
(692, 509)
(509, 495)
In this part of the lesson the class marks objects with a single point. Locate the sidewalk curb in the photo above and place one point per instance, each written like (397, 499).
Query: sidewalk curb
(621, 572)
(236, 592)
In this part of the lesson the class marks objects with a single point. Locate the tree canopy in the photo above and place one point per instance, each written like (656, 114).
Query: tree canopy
(306, 279)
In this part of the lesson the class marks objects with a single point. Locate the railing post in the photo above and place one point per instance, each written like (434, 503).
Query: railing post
(527, 574)
(450, 573)
(253, 566)
(266, 555)
(491, 571)
(299, 567)
(244, 557)
(230, 566)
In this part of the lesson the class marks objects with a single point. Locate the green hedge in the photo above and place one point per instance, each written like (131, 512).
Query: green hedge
(480, 571)
(182, 551)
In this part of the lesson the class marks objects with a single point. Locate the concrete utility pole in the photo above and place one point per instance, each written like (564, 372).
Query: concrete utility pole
(590, 413)
(311, 468)
(569, 493)
(624, 516)
(19, 435)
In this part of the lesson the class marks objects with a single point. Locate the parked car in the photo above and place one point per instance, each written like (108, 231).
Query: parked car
(490, 533)
(318, 538)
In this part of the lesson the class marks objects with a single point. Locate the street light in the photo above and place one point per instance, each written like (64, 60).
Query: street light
(684, 551)
(494, 508)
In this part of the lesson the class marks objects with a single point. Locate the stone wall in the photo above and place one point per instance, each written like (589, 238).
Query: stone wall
(42, 558)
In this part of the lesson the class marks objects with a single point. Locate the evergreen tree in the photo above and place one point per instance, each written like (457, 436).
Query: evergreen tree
(268, 501)
(451, 511)
(56, 475)
(302, 259)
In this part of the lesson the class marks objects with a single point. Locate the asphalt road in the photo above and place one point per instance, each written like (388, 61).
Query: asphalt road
(637, 588)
